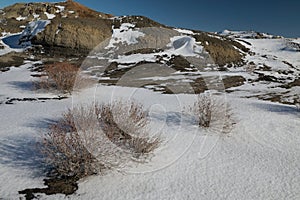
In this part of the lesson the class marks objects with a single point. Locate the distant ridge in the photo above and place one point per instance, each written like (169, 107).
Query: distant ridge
(247, 34)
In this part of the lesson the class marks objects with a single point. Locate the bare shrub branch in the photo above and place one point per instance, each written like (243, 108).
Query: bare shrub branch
(212, 113)
(126, 125)
(297, 102)
(66, 150)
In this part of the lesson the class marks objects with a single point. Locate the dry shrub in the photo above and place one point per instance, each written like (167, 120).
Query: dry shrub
(297, 103)
(60, 76)
(212, 113)
(90, 140)
(250, 68)
(125, 124)
(65, 149)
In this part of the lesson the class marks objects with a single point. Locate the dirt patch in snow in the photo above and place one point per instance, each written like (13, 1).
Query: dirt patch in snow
(180, 63)
(40, 99)
(65, 186)
(233, 81)
(143, 51)
(293, 84)
(11, 59)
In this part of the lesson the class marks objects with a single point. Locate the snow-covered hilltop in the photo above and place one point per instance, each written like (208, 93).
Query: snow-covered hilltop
(247, 35)
(55, 56)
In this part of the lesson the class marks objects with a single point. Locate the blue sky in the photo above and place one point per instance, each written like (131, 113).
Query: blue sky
(271, 16)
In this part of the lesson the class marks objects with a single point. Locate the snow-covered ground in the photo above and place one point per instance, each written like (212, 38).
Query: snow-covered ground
(20, 127)
(273, 49)
(246, 34)
(259, 159)
(272, 58)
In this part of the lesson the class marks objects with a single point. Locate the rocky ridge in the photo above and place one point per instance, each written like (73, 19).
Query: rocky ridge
(109, 47)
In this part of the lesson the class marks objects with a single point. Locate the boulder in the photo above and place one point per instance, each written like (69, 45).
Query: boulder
(82, 34)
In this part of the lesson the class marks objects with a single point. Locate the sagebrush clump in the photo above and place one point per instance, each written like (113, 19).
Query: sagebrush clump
(92, 139)
(60, 76)
(126, 125)
(212, 113)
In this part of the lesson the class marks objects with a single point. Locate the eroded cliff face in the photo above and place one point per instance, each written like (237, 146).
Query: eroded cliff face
(81, 34)
(73, 26)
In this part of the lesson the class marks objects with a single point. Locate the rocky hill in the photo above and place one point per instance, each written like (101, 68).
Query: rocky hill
(87, 27)
(108, 47)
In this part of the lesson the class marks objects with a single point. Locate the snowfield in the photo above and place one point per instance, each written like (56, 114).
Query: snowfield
(124, 35)
(185, 46)
(259, 159)
(272, 58)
